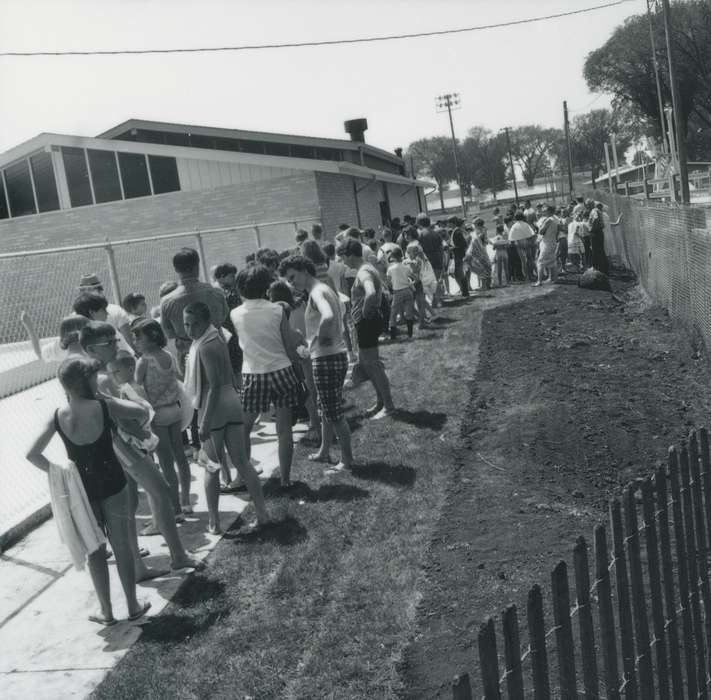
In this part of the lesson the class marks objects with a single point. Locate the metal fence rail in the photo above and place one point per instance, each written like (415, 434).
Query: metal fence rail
(44, 283)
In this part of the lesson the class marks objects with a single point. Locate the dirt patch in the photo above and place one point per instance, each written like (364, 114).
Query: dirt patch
(574, 396)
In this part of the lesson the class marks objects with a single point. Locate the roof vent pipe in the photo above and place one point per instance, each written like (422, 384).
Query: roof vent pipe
(356, 128)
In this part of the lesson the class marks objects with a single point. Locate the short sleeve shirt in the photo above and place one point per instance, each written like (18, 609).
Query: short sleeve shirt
(191, 290)
(365, 272)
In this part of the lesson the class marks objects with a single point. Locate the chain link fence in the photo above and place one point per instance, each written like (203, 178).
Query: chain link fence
(668, 246)
(44, 283)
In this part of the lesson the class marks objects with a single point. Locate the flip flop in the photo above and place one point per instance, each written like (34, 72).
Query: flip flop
(144, 609)
(102, 620)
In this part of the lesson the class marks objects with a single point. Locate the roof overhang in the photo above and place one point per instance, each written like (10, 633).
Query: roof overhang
(248, 136)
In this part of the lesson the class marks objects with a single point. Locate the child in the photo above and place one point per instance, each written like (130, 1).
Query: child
(157, 375)
(135, 306)
(577, 229)
(138, 434)
(415, 261)
(401, 280)
(62, 347)
(501, 256)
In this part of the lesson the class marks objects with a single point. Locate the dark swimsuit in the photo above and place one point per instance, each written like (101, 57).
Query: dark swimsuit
(98, 466)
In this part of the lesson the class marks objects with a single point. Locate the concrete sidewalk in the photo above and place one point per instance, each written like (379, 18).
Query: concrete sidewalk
(48, 647)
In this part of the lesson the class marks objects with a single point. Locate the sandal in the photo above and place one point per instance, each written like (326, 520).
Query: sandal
(106, 622)
(140, 613)
(149, 530)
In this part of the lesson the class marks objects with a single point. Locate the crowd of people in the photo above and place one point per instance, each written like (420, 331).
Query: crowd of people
(281, 337)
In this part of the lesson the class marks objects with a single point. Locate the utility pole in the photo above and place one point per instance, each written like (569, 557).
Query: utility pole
(655, 63)
(566, 124)
(448, 102)
(511, 164)
(676, 106)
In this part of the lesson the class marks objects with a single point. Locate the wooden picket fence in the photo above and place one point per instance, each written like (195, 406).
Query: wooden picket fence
(651, 636)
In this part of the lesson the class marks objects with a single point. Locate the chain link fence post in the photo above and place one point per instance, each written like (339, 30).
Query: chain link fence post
(257, 237)
(203, 261)
(113, 273)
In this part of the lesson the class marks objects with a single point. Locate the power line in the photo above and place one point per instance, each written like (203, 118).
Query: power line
(589, 104)
(333, 42)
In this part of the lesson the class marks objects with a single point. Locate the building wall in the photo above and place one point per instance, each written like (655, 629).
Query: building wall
(338, 205)
(335, 197)
(403, 200)
(196, 174)
(267, 200)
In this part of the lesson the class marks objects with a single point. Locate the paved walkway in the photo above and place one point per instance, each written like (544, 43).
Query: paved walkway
(48, 648)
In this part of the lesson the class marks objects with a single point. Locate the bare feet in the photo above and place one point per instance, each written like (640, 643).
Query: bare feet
(148, 574)
(149, 530)
(385, 413)
(187, 563)
(336, 469)
(320, 457)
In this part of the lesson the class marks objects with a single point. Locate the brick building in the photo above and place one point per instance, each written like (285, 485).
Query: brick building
(144, 178)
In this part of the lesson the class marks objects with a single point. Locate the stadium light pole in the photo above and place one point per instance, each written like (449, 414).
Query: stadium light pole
(446, 103)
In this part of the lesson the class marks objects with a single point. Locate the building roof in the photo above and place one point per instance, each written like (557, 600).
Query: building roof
(344, 144)
(45, 142)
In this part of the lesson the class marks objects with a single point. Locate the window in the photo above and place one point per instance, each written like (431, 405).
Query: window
(104, 175)
(223, 144)
(19, 189)
(4, 212)
(45, 184)
(200, 141)
(164, 173)
(77, 176)
(303, 151)
(134, 175)
(276, 149)
(252, 147)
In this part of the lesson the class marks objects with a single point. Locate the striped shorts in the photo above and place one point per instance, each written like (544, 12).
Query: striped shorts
(280, 388)
(329, 375)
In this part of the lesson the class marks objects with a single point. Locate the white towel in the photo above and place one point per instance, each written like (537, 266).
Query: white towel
(73, 514)
(193, 378)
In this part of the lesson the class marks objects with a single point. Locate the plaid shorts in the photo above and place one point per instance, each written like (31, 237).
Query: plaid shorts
(280, 388)
(329, 375)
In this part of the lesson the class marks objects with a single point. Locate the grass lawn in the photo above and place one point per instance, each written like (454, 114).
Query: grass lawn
(323, 605)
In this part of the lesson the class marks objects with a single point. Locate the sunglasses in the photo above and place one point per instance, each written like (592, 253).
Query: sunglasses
(113, 341)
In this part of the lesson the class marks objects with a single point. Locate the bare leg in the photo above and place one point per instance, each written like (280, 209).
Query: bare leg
(166, 461)
(344, 440)
(117, 515)
(286, 443)
(182, 461)
(144, 472)
(249, 419)
(99, 572)
(314, 422)
(324, 452)
(143, 572)
(233, 437)
(213, 448)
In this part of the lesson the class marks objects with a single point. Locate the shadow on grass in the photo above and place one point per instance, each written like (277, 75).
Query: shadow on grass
(326, 492)
(285, 532)
(397, 474)
(444, 321)
(197, 589)
(428, 336)
(170, 628)
(422, 419)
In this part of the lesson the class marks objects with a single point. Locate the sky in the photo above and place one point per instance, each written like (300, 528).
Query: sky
(505, 76)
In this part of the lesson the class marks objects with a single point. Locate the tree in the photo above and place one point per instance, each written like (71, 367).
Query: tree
(483, 160)
(588, 134)
(433, 158)
(532, 146)
(624, 67)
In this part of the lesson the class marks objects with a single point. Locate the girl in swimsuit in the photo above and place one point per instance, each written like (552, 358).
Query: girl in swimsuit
(84, 426)
(210, 382)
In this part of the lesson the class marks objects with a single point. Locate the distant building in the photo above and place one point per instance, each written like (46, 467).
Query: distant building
(145, 178)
